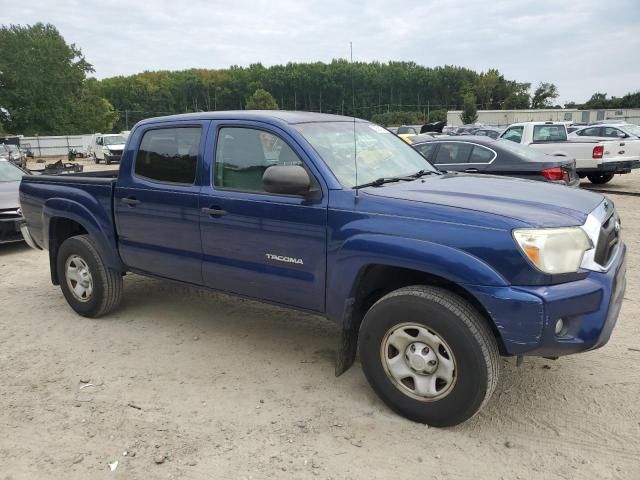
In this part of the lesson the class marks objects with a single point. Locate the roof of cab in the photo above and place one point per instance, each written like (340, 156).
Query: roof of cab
(284, 116)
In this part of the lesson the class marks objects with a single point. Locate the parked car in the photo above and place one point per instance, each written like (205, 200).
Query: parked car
(473, 154)
(608, 131)
(599, 161)
(107, 148)
(13, 154)
(429, 276)
(10, 212)
(488, 132)
(409, 130)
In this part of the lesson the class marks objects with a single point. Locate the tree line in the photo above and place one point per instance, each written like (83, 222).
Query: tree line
(46, 88)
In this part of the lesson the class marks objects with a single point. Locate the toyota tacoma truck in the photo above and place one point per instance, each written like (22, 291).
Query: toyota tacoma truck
(599, 161)
(431, 277)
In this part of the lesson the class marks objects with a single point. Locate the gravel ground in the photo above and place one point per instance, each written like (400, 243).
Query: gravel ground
(181, 383)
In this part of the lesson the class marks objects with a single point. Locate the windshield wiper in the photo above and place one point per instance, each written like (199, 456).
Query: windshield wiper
(381, 181)
(422, 173)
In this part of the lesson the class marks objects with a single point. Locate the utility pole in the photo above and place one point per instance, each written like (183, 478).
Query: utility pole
(126, 119)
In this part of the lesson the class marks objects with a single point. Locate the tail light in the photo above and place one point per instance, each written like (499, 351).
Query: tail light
(554, 174)
(598, 152)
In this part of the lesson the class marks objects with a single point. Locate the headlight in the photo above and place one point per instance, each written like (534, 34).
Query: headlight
(553, 250)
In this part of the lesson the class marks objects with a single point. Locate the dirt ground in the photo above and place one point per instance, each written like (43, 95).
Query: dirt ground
(181, 383)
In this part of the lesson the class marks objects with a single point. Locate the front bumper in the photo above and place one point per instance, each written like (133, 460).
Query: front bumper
(526, 316)
(24, 230)
(10, 230)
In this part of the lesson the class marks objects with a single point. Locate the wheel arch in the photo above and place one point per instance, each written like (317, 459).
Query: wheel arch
(422, 263)
(64, 219)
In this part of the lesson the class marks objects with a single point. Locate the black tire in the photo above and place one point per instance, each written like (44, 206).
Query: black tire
(108, 161)
(600, 178)
(95, 158)
(470, 340)
(107, 283)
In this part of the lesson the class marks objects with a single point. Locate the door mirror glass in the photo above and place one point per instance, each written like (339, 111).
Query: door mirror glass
(286, 180)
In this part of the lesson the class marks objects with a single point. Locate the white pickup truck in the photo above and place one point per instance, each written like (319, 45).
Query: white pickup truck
(107, 147)
(599, 161)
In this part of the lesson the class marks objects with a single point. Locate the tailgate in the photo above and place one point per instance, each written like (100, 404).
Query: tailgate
(621, 150)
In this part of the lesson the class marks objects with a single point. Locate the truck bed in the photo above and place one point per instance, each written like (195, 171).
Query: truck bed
(89, 195)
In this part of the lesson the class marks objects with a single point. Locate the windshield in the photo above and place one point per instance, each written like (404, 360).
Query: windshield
(521, 151)
(380, 154)
(117, 140)
(9, 172)
(632, 129)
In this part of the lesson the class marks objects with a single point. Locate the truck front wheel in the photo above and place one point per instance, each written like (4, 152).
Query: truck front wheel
(429, 355)
(90, 287)
(600, 178)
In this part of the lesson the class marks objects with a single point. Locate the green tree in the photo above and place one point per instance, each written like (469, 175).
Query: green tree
(42, 82)
(543, 95)
(469, 110)
(437, 116)
(261, 100)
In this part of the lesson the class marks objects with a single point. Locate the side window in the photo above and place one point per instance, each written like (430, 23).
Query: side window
(243, 154)
(514, 134)
(452, 153)
(169, 155)
(426, 149)
(480, 155)
(612, 132)
(589, 132)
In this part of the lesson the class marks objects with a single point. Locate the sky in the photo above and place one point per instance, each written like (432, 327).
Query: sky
(581, 46)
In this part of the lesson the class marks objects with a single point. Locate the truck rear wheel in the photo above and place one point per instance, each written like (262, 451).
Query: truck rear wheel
(600, 178)
(89, 287)
(429, 355)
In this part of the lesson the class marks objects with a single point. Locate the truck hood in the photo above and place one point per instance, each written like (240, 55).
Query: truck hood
(534, 203)
(9, 196)
(115, 147)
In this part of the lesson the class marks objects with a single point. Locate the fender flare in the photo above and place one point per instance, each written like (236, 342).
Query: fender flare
(100, 228)
(362, 251)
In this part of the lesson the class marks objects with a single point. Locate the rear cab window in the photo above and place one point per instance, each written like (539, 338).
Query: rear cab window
(169, 155)
(549, 133)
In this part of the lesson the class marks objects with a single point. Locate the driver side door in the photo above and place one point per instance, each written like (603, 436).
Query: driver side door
(255, 243)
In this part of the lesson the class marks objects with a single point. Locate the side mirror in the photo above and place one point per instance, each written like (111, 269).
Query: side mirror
(286, 180)
(622, 135)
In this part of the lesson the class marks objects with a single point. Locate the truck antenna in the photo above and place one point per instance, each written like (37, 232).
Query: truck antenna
(353, 113)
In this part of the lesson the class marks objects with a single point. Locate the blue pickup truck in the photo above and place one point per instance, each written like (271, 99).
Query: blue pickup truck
(430, 276)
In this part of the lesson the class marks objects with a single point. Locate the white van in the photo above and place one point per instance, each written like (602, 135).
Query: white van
(107, 147)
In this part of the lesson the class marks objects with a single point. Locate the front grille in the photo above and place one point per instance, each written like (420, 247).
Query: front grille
(608, 240)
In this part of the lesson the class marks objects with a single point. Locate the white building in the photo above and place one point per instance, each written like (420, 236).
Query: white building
(507, 117)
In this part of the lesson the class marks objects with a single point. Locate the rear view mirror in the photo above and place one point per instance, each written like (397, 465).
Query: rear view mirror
(286, 180)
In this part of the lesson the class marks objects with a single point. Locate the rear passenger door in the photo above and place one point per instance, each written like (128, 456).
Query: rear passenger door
(157, 202)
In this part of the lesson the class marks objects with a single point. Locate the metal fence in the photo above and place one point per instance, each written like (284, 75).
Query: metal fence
(53, 146)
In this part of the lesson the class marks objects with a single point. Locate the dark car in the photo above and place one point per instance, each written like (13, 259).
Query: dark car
(10, 213)
(473, 154)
